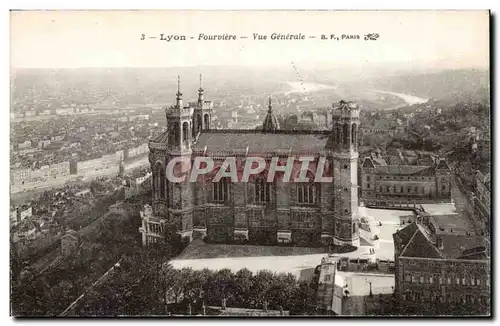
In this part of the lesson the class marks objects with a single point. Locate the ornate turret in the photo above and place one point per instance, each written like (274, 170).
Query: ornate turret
(271, 123)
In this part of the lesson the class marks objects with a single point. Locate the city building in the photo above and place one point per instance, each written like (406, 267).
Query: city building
(440, 270)
(330, 292)
(381, 182)
(300, 213)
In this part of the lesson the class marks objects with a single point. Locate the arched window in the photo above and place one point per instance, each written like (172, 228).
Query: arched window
(185, 132)
(207, 122)
(354, 135)
(262, 191)
(345, 135)
(175, 133)
(159, 181)
(353, 228)
(220, 191)
(338, 136)
(306, 193)
(199, 123)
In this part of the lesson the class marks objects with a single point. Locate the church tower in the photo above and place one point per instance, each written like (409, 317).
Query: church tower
(179, 194)
(271, 123)
(202, 118)
(343, 147)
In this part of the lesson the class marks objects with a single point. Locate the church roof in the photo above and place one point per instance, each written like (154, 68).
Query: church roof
(261, 142)
(160, 138)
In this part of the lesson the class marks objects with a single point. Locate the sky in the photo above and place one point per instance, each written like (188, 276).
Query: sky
(73, 39)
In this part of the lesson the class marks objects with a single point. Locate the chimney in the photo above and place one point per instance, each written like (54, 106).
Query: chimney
(224, 304)
(204, 309)
(265, 306)
(281, 311)
(189, 309)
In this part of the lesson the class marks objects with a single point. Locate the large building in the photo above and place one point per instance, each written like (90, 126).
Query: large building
(381, 182)
(256, 211)
(441, 270)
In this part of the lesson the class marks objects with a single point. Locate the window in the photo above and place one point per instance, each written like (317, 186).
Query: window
(472, 281)
(368, 178)
(262, 191)
(306, 193)
(464, 281)
(414, 279)
(430, 279)
(407, 277)
(449, 280)
(368, 186)
(327, 278)
(220, 193)
(417, 296)
(457, 280)
(478, 281)
(185, 132)
(422, 280)
(402, 189)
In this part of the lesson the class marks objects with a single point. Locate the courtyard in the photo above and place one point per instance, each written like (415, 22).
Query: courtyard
(301, 261)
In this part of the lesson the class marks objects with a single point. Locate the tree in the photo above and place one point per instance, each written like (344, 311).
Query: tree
(261, 284)
(243, 282)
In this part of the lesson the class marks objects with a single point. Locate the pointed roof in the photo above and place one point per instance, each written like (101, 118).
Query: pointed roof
(417, 241)
(442, 165)
(406, 233)
(160, 138)
(421, 246)
(271, 123)
(368, 163)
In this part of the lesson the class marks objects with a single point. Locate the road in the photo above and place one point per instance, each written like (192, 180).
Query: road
(73, 304)
(464, 208)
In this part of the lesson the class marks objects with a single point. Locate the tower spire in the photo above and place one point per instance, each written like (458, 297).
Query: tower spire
(179, 94)
(200, 93)
(270, 122)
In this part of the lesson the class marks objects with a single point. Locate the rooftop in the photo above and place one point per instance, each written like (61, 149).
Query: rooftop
(262, 142)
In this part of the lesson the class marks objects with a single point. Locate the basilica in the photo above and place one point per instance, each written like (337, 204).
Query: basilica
(259, 212)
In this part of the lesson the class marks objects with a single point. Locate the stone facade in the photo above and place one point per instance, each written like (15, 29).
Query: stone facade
(405, 183)
(300, 213)
(438, 272)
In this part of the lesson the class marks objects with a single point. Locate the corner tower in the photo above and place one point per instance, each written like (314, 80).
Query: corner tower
(202, 118)
(343, 147)
(179, 203)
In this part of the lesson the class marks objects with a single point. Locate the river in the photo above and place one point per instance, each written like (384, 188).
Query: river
(409, 99)
(306, 87)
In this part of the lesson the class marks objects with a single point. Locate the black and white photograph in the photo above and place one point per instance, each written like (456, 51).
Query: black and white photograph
(250, 163)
